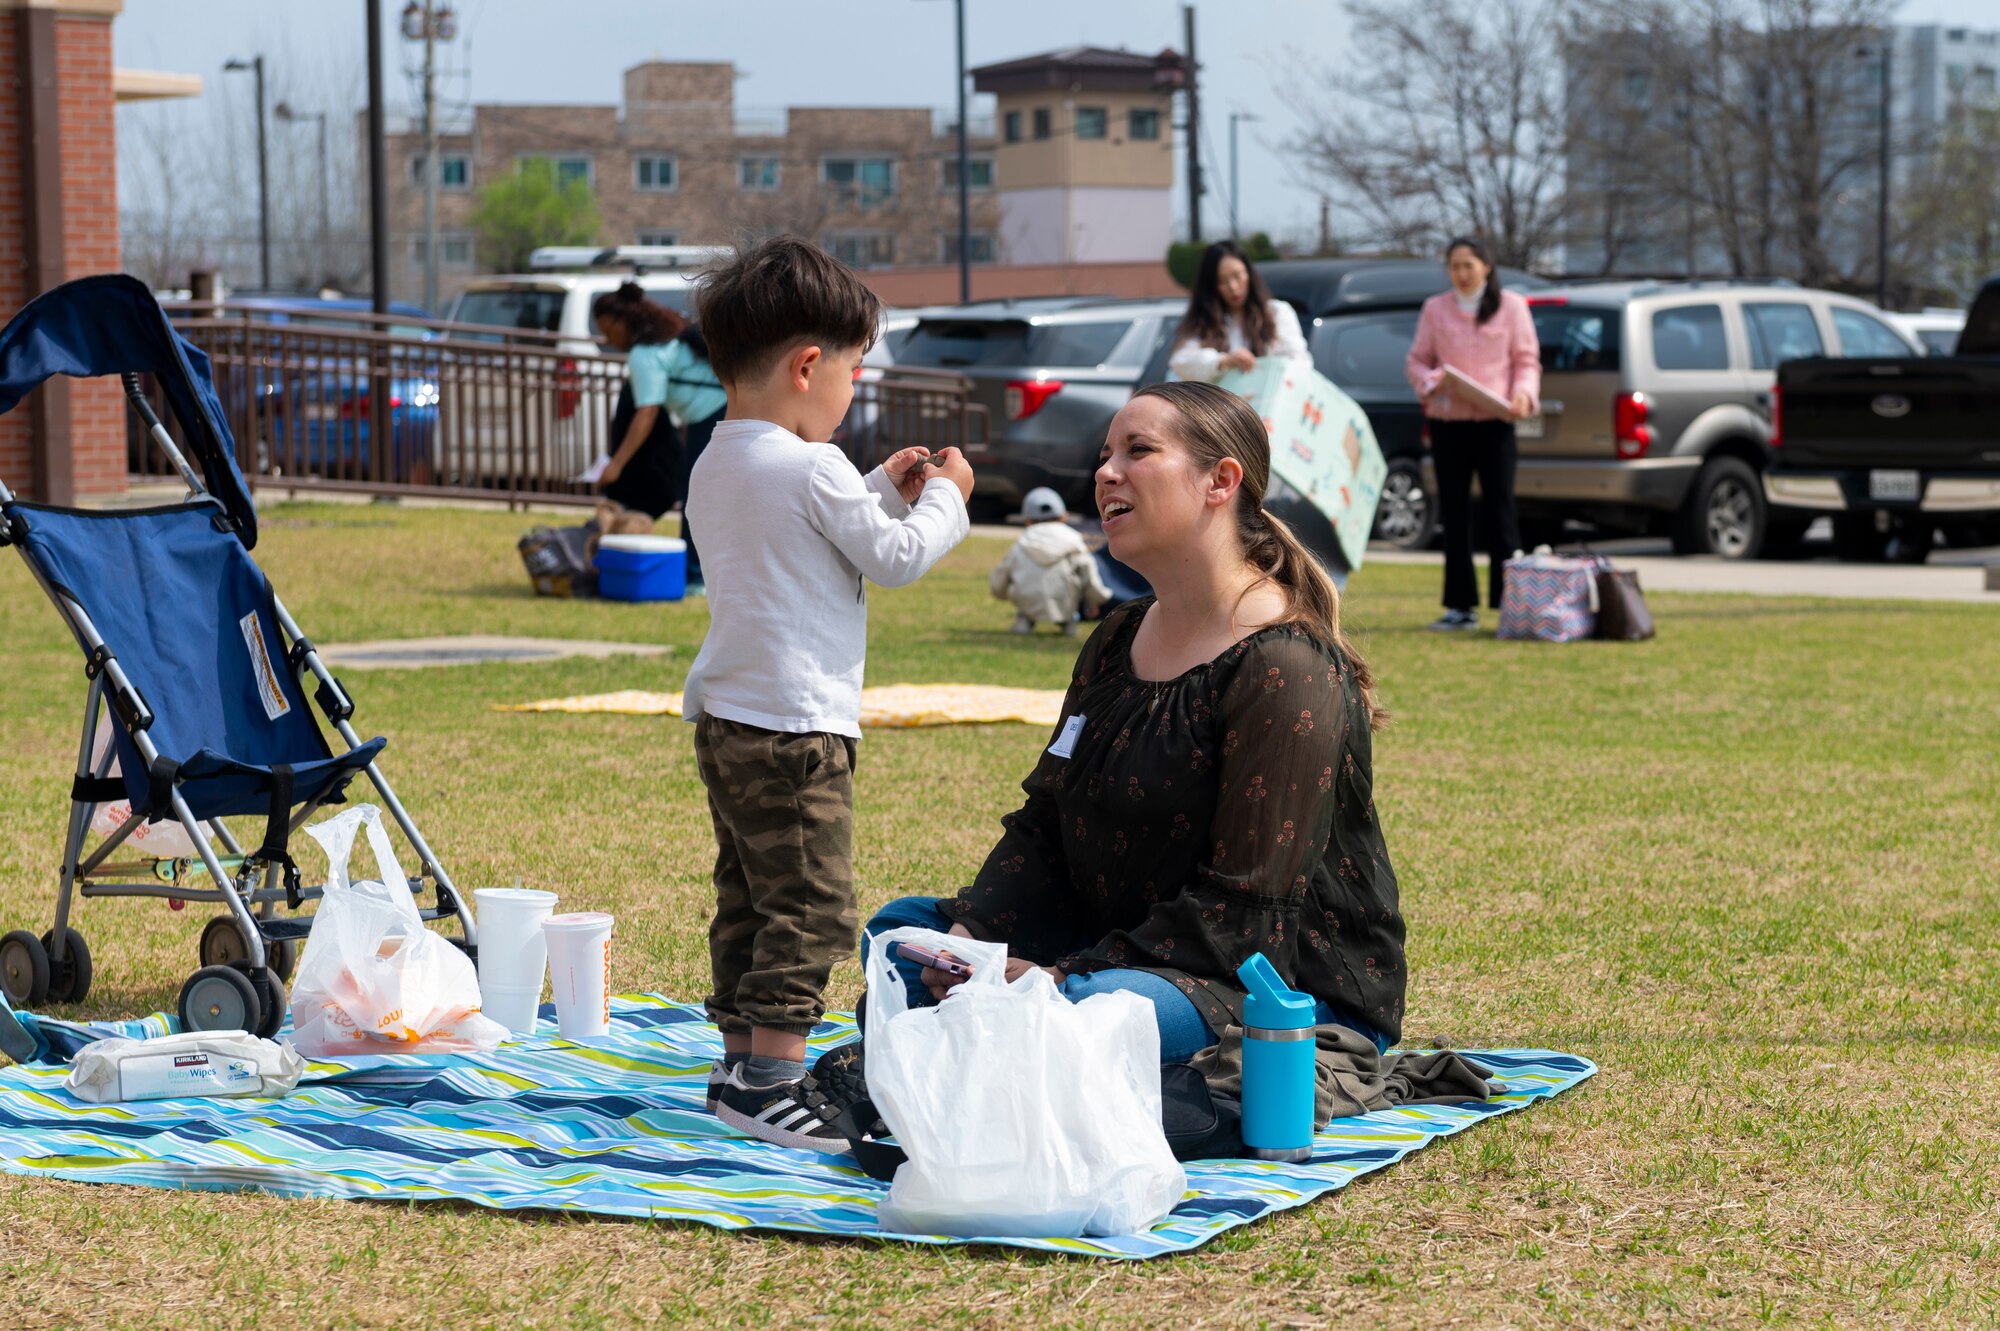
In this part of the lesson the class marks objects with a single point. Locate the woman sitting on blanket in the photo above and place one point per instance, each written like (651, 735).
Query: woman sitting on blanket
(1208, 793)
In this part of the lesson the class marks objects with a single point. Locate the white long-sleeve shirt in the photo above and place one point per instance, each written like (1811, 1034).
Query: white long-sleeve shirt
(1192, 360)
(791, 534)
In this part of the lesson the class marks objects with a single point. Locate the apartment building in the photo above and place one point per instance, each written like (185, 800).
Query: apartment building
(675, 163)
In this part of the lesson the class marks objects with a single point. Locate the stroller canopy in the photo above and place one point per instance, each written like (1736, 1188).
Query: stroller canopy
(110, 324)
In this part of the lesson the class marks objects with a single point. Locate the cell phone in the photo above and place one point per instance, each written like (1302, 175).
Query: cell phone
(937, 961)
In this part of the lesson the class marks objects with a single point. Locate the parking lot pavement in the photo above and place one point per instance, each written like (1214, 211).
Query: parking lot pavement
(1951, 575)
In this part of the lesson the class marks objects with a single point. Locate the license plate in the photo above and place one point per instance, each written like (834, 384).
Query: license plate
(1528, 427)
(1904, 485)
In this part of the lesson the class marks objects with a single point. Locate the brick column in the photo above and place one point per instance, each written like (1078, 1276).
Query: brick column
(58, 220)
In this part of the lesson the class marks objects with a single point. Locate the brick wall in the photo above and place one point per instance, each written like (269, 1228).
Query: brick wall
(96, 444)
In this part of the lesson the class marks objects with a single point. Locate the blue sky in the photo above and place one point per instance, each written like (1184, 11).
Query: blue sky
(790, 52)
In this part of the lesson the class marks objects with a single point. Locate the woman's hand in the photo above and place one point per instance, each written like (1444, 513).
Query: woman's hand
(612, 471)
(1019, 966)
(1239, 359)
(1522, 406)
(938, 982)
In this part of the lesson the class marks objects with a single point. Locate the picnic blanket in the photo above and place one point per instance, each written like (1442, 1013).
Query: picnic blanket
(617, 1127)
(890, 707)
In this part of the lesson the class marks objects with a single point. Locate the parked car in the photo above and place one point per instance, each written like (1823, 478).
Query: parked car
(1894, 449)
(1935, 330)
(1656, 406)
(313, 411)
(1359, 317)
(1052, 371)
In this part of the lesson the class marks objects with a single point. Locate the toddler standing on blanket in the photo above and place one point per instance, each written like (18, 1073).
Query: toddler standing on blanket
(1049, 574)
(791, 535)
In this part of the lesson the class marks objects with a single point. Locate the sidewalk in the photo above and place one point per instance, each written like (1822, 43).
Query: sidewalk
(1892, 582)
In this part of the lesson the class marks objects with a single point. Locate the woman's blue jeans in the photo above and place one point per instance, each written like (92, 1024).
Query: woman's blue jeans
(1183, 1033)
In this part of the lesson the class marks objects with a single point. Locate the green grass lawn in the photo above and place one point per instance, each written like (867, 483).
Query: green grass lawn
(1751, 868)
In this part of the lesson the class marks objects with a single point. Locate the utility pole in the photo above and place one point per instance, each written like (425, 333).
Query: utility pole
(964, 172)
(1882, 187)
(430, 23)
(256, 65)
(1325, 226)
(1235, 228)
(1193, 130)
(378, 184)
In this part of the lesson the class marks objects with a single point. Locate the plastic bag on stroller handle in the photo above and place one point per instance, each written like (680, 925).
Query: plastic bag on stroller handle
(373, 979)
(1023, 1114)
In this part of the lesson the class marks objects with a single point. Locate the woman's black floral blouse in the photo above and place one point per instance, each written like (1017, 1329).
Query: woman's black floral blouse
(1200, 819)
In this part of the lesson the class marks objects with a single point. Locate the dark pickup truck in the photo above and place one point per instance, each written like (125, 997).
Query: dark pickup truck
(1899, 450)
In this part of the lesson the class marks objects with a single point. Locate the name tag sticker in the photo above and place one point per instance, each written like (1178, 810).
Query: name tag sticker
(1065, 743)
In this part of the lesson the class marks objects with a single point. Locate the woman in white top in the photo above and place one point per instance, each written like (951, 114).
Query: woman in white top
(1231, 320)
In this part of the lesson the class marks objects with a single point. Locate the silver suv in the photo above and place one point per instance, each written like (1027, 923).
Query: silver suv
(1053, 371)
(1656, 405)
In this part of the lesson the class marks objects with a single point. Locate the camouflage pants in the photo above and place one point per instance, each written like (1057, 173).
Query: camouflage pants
(783, 808)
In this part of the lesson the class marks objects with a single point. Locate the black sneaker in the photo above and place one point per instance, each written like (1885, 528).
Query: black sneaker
(1455, 621)
(797, 1114)
(843, 1080)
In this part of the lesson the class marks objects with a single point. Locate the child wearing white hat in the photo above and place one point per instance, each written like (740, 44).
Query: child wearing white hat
(1049, 574)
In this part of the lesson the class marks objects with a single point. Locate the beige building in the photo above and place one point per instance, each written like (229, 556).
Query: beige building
(1085, 159)
(674, 164)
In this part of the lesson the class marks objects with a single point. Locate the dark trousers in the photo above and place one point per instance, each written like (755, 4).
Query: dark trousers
(1459, 451)
(693, 443)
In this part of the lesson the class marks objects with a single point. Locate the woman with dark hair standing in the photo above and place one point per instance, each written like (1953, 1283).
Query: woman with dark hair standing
(1488, 336)
(1231, 320)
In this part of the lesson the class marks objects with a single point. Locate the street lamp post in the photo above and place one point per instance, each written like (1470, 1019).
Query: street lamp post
(256, 65)
(1881, 51)
(1235, 231)
(284, 112)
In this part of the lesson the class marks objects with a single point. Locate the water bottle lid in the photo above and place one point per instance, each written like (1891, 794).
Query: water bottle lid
(1272, 1005)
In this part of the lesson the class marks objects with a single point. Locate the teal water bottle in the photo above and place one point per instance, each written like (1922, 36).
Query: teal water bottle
(1278, 1057)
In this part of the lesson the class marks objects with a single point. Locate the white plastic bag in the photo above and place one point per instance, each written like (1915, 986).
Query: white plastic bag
(1023, 1114)
(373, 980)
(166, 839)
(205, 1063)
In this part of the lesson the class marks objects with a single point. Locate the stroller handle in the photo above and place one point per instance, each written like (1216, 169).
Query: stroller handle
(137, 397)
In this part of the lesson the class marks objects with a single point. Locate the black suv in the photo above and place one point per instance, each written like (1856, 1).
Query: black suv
(1359, 317)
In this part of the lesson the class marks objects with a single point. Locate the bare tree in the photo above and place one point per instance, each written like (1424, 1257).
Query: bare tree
(1459, 125)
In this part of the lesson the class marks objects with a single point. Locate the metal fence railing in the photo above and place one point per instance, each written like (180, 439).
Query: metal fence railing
(495, 414)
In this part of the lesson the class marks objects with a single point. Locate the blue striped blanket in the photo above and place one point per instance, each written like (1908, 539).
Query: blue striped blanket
(617, 1127)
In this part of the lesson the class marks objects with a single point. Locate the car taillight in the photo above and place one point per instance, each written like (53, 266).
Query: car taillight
(1026, 396)
(1631, 435)
(1548, 300)
(1777, 416)
(356, 408)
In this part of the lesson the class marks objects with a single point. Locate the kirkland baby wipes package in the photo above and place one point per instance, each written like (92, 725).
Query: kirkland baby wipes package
(210, 1063)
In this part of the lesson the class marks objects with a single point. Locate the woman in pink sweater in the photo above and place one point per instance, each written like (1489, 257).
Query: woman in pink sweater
(1488, 336)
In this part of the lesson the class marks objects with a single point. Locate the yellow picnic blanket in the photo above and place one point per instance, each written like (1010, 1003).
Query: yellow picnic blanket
(892, 707)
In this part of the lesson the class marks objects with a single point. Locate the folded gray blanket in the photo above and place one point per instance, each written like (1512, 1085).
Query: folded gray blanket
(1354, 1078)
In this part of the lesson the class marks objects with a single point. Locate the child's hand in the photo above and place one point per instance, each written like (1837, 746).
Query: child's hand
(907, 472)
(956, 470)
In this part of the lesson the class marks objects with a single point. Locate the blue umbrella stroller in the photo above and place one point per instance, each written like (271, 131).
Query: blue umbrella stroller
(202, 672)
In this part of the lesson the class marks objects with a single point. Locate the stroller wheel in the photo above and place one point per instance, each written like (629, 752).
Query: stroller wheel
(69, 979)
(24, 969)
(271, 998)
(218, 998)
(222, 945)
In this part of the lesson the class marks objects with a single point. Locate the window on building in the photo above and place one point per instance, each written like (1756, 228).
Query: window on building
(1011, 123)
(1091, 122)
(1780, 331)
(1041, 122)
(454, 171)
(860, 249)
(454, 249)
(860, 182)
(1690, 338)
(647, 237)
(568, 168)
(978, 173)
(980, 247)
(655, 174)
(758, 173)
(1144, 124)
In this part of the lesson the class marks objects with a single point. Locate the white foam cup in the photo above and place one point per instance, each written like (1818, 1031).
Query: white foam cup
(580, 972)
(513, 953)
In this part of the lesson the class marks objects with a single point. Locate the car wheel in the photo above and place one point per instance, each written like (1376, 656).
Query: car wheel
(1725, 514)
(1405, 516)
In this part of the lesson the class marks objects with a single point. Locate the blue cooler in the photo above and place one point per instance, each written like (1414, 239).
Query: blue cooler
(641, 568)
